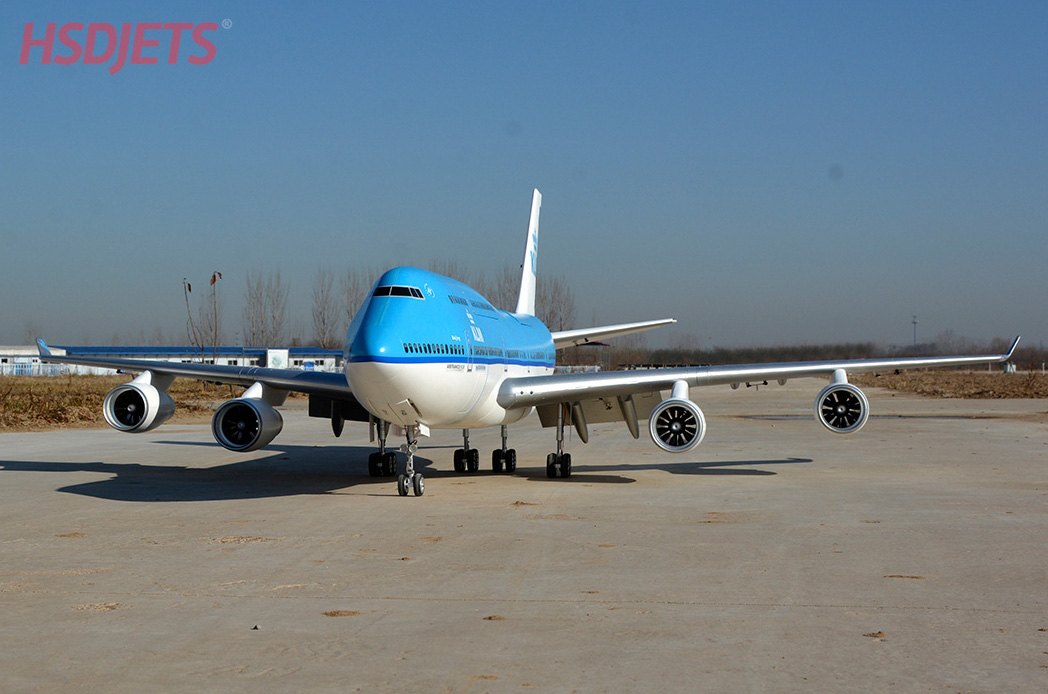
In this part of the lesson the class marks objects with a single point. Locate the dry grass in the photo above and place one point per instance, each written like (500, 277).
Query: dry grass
(32, 403)
(993, 385)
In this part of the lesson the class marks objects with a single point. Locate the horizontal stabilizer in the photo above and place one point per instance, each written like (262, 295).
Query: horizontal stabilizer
(571, 338)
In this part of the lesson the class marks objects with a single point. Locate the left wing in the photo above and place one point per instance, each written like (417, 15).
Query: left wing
(243, 424)
(292, 380)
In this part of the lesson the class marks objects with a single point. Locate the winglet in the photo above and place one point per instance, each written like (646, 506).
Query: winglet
(526, 300)
(1011, 350)
(42, 347)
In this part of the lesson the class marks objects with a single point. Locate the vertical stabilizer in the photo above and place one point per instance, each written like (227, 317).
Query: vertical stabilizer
(526, 300)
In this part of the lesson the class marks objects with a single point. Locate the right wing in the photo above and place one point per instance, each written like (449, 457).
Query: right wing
(540, 390)
(631, 396)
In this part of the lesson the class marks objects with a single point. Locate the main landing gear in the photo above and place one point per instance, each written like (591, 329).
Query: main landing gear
(468, 459)
(383, 463)
(559, 464)
(504, 457)
(411, 480)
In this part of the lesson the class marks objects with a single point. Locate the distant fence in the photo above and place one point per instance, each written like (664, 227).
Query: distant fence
(33, 370)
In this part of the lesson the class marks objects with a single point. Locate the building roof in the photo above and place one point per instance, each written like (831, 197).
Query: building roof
(85, 351)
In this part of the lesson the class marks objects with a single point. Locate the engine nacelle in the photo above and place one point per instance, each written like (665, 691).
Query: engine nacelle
(137, 407)
(246, 424)
(677, 425)
(842, 408)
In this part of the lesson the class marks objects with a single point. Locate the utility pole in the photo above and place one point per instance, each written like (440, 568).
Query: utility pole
(915, 331)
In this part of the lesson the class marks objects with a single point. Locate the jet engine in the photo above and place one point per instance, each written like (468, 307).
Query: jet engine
(137, 406)
(842, 408)
(677, 425)
(246, 424)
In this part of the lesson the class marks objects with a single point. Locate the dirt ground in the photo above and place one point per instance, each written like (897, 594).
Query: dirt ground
(38, 403)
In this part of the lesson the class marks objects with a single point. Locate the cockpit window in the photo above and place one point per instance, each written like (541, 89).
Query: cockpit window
(398, 290)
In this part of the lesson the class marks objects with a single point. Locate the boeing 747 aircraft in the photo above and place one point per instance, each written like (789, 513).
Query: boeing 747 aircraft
(427, 352)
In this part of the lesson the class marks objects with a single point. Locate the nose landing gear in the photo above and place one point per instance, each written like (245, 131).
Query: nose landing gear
(411, 480)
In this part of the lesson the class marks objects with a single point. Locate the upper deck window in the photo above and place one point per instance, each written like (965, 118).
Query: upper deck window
(398, 290)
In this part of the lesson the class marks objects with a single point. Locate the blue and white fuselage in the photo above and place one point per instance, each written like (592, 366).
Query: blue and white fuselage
(426, 350)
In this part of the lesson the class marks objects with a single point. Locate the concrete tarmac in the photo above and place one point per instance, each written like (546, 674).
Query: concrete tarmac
(775, 557)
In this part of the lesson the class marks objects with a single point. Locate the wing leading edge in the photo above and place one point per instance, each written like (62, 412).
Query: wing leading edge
(530, 391)
(311, 382)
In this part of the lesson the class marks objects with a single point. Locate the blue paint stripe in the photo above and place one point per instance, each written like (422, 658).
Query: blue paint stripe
(443, 359)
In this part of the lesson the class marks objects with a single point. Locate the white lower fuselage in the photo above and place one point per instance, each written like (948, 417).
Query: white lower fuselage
(437, 395)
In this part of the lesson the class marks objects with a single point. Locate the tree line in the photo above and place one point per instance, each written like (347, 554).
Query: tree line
(336, 297)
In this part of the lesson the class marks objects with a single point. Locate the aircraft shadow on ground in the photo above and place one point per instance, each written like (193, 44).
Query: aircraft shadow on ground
(581, 472)
(309, 470)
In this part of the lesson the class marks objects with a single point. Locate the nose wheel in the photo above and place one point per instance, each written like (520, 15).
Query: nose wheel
(411, 481)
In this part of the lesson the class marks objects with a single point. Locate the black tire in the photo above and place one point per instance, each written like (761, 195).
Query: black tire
(460, 461)
(419, 485)
(511, 461)
(473, 460)
(496, 461)
(551, 466)
(389, 464)
(565, 465)
(403, 485)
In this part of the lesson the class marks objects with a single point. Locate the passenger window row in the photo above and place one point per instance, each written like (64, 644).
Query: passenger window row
(432, 348)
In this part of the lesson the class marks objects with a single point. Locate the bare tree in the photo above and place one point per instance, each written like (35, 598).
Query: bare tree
(325, 312)
(253, 321)
(629, 349)
(504, 288)
(355, 285)
(555, 302)
(265, 309)
(30, 332)
(457, 271)
(352, 290)
(276, 308)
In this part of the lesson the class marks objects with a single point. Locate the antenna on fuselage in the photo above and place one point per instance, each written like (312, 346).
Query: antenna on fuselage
(528, 279)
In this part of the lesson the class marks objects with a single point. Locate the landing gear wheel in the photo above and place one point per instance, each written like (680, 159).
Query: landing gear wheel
(389, 464)
(403, 485)
(496, 461)
(558, 465)
(551, 466)
(460, 460)
(511, 461)
(473, 460)
(373, 465)
(419, 485)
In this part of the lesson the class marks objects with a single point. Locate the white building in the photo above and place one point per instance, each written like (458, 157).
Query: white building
(25, 361)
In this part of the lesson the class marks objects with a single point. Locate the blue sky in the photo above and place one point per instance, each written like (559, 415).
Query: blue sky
(764, 172)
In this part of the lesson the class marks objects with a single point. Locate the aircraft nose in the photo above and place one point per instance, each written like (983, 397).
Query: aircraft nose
(371, 341)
